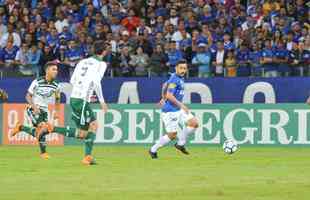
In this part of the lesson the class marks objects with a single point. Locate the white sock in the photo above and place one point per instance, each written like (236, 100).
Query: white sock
(163, 140)
(184, 134)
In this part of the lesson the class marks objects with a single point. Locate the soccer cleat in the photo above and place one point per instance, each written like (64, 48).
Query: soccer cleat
(44, 156)
(181, 148)
(153, 155)
(89, 160)
(16, 128)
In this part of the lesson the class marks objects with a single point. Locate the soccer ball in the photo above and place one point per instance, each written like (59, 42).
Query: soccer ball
(230, 146)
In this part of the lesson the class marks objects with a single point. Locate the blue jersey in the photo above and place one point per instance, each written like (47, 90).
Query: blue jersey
(8, 55)
(74, 54)
(175, 85)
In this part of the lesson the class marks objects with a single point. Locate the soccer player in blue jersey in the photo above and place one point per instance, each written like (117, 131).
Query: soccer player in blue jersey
(174, 112)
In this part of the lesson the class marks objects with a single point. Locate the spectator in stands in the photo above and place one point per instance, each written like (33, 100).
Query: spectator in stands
(174, 55)
(132, 21)
(126, 42)
(155, 22)
(158, 62)
(206, 35)
(267, 60)
(281, 55)
(174, 18)
(3, 27)
(98, 34)
(89, 47)
(181, 33)
(289, 41)
(139, 62)
(125, 68)
(143, 41)
(10, 33)
(219, 58)
(242, 58)
(21, 60)
(66, 34)
(33, 58)
(29, 40)
(42, 32)
(73, 54)
(255, 60)
(230, 64)
(294, 60)
(115, 24)
(9, 54)
(207, 17)
(304, 57)
(142, 27)
(52, 38)
(203, 61)
(168, 31)
(228, 44)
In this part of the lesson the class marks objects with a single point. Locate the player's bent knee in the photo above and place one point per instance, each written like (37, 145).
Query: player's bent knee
(193, 123)
(82, 134)
(93, 126)
(172, 136)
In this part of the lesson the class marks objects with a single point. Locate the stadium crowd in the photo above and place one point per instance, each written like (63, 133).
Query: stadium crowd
(146, 38)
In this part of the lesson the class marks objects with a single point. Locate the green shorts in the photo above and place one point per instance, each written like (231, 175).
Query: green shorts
(82, 114)
(37, 119)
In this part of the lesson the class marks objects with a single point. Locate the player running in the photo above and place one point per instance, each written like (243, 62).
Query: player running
(174, 112)
(42, 91)
(86, 79)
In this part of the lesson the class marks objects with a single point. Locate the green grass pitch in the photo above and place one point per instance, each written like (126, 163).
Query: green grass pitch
(127, 173)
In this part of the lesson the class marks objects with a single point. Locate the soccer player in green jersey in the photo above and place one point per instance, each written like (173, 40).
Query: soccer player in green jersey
(41, 92)
(86, 79)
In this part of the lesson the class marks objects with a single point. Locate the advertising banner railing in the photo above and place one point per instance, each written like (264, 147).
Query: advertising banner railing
(13, 113)
(248, 124)
(253, 124)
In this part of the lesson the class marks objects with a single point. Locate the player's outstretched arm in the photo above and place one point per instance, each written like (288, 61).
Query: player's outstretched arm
(164, 90)
(172, 98)
(163, 95)
(98, 90)
(30, 102)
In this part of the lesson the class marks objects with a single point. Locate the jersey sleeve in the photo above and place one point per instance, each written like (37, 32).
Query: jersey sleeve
(75, 73)
(171, 85)
(32, 86)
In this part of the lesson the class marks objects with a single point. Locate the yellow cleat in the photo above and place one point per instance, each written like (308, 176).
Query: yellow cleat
(44, 156)
(16, 129)
(88, 160)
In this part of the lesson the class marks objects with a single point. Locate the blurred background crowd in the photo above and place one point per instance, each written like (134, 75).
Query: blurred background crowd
(147, 37)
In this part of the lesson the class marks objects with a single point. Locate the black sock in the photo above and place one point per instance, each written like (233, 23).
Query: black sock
(42, 143)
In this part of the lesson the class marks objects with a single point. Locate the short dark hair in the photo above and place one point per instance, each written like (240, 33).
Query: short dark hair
(99, 46)
(182, 61)
(49, 64)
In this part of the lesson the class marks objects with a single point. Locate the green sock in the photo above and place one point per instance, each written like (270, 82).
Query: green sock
(66, 131)
(89, 143)
(29, 130)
